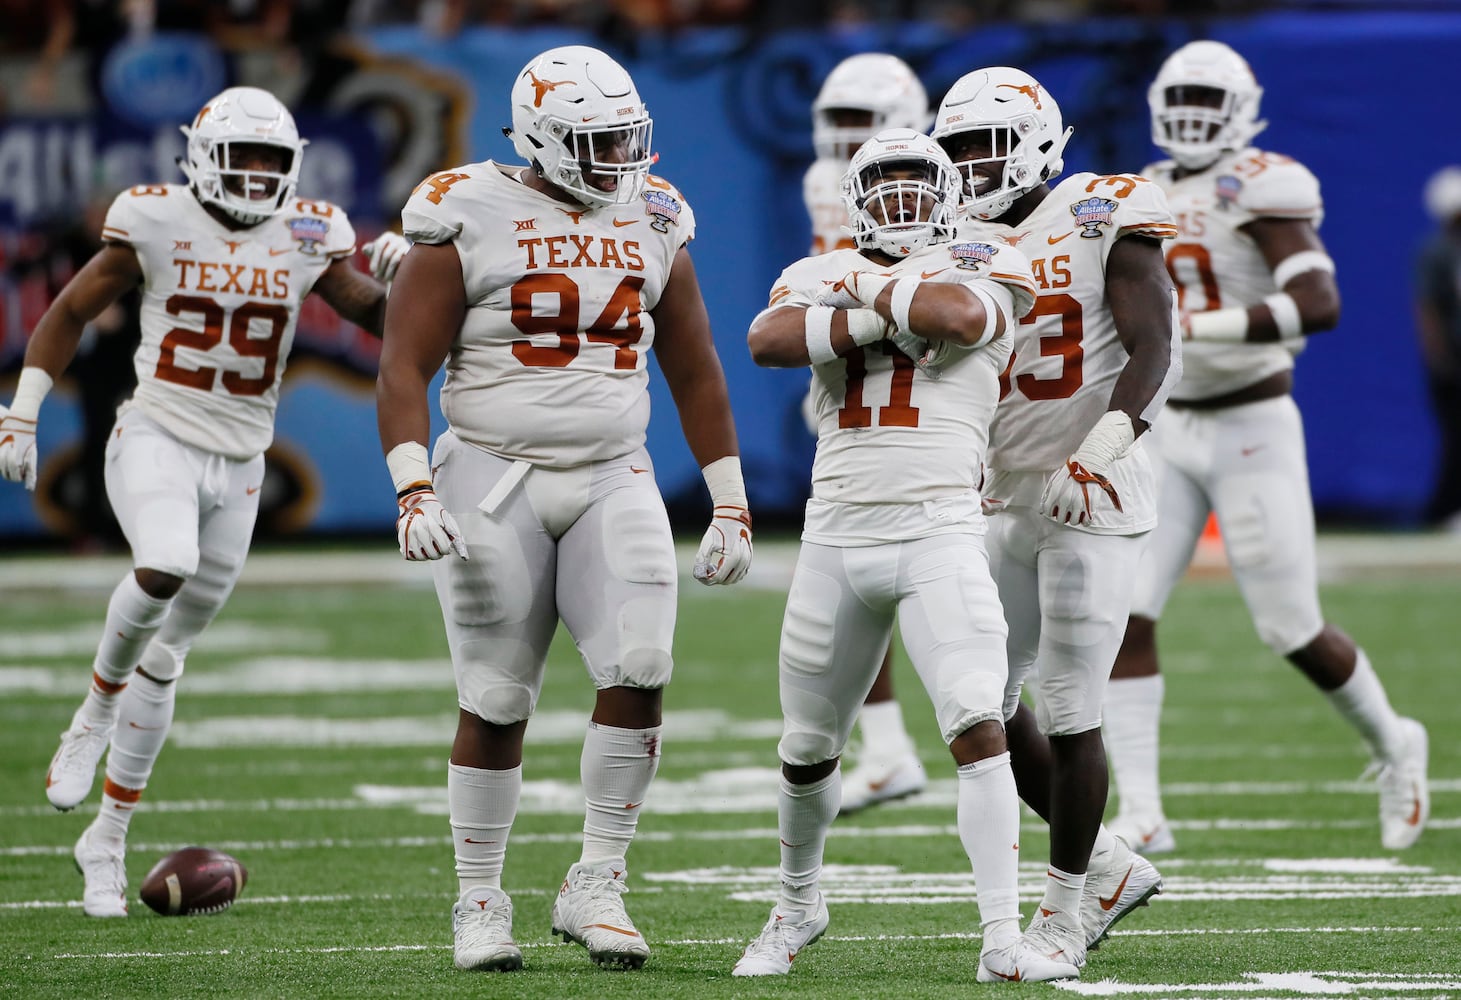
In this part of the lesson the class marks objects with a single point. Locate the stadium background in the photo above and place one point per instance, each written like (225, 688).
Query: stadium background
(388, 93)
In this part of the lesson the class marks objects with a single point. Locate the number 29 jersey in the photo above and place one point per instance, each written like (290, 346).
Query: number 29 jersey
(219, 309)
(1216, 265)
(550, 364)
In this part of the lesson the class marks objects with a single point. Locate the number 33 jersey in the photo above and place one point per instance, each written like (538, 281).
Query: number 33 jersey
(550, 365)
(219, 309)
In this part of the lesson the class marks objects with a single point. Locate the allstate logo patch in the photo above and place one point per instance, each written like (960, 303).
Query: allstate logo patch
(663, 208)
(1227, 189)
(1092, 213)
(309, 232)
(971, 255)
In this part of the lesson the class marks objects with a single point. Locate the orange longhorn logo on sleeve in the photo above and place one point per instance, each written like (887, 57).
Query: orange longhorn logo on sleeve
(1032, 91)
(542, 87)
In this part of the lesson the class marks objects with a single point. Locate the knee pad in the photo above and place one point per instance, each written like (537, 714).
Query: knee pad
(803, 748)
(497, 694)
(162, 662)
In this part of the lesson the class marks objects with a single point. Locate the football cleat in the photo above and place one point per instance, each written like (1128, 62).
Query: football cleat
(1113, 891)
(1057, 935)
(1022, 962)
(1144, 834)
(874, 781)
(1405, 797)
(589, 910)
(73, 769)
(786, 933)
(481, 926)
(103, 868)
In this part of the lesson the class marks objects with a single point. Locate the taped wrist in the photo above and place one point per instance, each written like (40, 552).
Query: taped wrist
(408, 467)
(865, 326)
(1220, 324)
(30, 392)
(1104, 443)
(817, 322)
(724, 481)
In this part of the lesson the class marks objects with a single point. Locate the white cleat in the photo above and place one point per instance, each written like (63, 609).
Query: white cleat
(1405, 796)
(481, 927)
(1144, 834)
(104, 869)
(1022, 962)
(1057, 936)
(1128, 881)
(874, 781)
(589, 910)
(786, 933)
(73, 769)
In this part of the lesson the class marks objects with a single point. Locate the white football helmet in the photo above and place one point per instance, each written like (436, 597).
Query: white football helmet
(242, 116)
(873, 82)
(1023, 128)
(1204, 103)
(899, 215)
(1443, 194)
(575, 111)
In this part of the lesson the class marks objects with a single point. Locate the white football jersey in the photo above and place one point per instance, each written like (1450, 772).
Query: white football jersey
(1067, 354)
(219, 308)
(887, 433)
(822, 191)
(550, 364)
(1216, 265)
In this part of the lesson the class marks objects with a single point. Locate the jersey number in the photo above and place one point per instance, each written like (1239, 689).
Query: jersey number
(240, 324)
(1065, 345)
(900, 411)
(1190, 265)
(624, 303)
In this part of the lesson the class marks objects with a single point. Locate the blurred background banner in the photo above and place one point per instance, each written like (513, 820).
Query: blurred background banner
(1363, 98)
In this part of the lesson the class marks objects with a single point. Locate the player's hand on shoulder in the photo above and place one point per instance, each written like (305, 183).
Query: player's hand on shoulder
(424, 528)
(17, 449)
(725, 551)
(384, 255)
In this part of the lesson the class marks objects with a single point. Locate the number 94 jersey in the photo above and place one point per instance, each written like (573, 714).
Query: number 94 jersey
(219, 308)
(550, 364)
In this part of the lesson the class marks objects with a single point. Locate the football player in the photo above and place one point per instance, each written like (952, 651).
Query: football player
(1069, 485)
(543, 288)
(225, 262)
(863, 95)
(1253, 282)
(906, 336)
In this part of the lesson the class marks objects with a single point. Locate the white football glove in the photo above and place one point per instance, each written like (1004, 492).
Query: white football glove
(384, 255)
(928, 355)
(725, 551)
(424, 528)
(854, 290)
(1072, 495)
(17, 449)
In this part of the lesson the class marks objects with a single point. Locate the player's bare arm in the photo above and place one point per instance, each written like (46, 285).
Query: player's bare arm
(423, 315)
(110, 273)
(355, 295)
(1286, 243)
(1139, 291)
(778, 339)
(686, 352)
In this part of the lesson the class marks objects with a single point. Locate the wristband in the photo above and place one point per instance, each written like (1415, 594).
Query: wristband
(1221, 324)
(818, 324)
(30, 392)
(1107, 441)
(1285, 315)
(991, 317)
(902, 300)
(408, 466)
(724, 480)
(1300, 263)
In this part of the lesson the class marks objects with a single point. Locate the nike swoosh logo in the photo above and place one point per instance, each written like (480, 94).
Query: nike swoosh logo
(1414, 818)
(469, 840)
(925, 275)
(7, 439)
(877, 786)
(1010, 979)
(624, 222)
(251, 490)
(633, 805)
(1115, 897)
(1052, 240)
(635, 468)
(1245, 452)
(616, 930)
(145, 729)
(276, 253)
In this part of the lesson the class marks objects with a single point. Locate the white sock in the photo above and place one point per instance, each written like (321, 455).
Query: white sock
(884, 737)
(1131, 720)
(1063, 892)
(133, 618)
(988, 816)
(144, 717)
(483, 805)
(616, 768)
(1362, 701)
(804, 813)
(115, 813)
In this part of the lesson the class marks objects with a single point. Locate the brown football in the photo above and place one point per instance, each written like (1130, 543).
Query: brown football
(194, 880)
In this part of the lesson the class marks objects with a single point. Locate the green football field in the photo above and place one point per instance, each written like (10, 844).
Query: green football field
(311, 739)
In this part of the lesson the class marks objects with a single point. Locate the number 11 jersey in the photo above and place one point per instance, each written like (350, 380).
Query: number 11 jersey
(550, 365)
